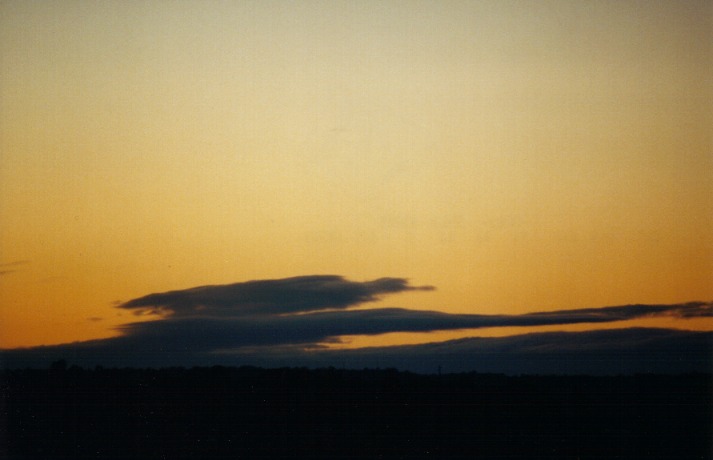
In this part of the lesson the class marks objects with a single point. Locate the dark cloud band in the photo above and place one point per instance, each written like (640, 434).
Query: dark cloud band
(309, 310)
(271, 316)
(207, 333)
(267, 297)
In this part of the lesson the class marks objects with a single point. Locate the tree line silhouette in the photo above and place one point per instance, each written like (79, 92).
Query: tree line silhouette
(248, 412)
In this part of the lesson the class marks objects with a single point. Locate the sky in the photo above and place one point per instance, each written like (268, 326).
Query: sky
(505, 157)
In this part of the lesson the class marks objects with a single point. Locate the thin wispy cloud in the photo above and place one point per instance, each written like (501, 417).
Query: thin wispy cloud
(11, 267)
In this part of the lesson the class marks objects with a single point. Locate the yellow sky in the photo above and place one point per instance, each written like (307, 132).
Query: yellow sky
(519, 156)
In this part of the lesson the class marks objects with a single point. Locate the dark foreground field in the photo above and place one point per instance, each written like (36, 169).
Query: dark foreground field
(255, 413)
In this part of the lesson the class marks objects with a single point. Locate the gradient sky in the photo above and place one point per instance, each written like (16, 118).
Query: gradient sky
(518, 156)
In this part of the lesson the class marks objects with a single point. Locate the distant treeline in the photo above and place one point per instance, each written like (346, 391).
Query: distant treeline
(247, 412)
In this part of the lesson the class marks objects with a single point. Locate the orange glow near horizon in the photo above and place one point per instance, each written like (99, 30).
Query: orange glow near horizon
(519, 157)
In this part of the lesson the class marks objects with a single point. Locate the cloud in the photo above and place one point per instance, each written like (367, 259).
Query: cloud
(9, 267)
(608, 352)
(14, 263)
(614, 351)
(620, 313)
(223, 332)
(265, 297)
(300, 314)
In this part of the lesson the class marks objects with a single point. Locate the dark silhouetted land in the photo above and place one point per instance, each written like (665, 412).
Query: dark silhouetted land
(249, 412)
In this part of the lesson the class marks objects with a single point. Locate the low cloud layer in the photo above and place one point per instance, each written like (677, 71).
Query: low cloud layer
(310, 310)
(219, 333)
(603, 352)
(265, 317)
(266, 297)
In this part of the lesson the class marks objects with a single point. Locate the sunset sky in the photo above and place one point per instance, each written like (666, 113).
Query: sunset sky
(516, 157)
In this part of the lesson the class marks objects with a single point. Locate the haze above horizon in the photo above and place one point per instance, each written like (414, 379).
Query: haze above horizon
(520, 157)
